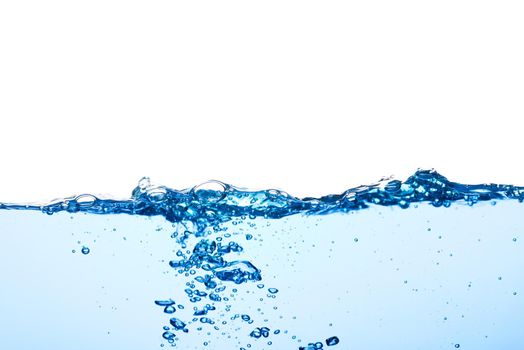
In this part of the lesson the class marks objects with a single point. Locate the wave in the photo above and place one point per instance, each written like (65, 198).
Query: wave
(215, 201)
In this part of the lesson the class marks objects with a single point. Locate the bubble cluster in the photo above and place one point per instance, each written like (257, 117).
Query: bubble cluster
(319, 345)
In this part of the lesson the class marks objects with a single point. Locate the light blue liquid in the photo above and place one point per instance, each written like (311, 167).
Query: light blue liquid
(384, 277)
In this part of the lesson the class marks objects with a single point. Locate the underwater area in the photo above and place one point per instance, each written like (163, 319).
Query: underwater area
(424, 263)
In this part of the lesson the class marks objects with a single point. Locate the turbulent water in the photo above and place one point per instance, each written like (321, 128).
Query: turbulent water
(423, 263)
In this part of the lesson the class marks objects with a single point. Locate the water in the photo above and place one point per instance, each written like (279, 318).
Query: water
(420, 264)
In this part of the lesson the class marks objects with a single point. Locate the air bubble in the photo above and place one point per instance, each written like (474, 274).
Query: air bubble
(332, 341)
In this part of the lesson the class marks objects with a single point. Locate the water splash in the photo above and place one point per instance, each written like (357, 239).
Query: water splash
(205, 207)
(210, 266)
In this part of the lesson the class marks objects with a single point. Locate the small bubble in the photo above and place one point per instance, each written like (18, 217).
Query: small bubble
(273, 290)
(514, 239)
(356, 239)
(332, 341)
(144, 183)
(169, 309)
(85, 250)
(514, 293)
(457, 346)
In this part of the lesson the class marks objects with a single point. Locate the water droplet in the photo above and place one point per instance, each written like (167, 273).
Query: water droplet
(273, 290)
(85, 250)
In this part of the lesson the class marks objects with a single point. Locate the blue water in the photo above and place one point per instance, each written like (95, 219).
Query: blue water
(419, 264)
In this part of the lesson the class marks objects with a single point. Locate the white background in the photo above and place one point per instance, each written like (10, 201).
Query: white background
(309, 96)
